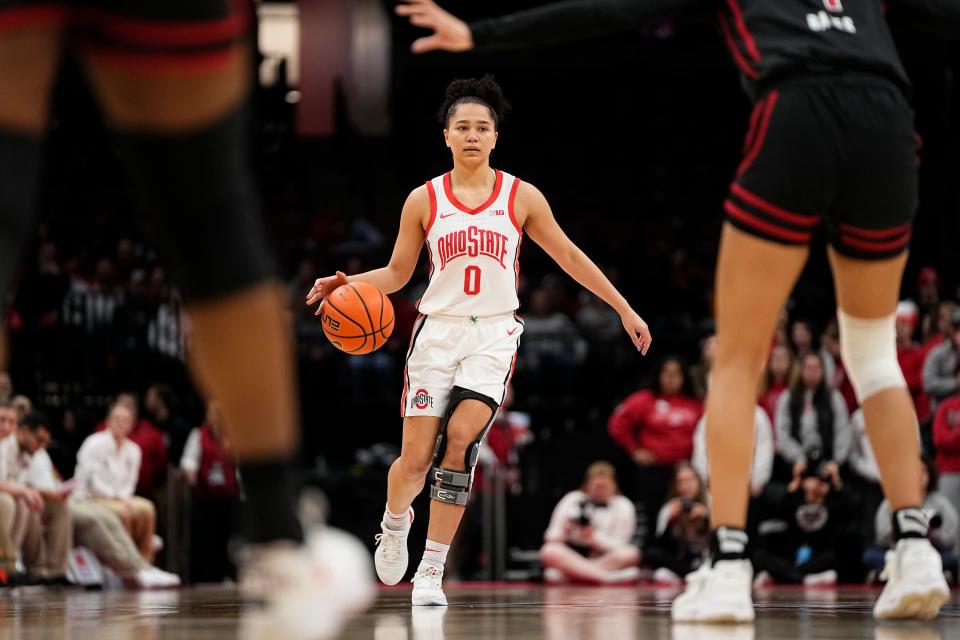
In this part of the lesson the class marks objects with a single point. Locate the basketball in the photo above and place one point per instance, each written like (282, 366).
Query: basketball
(357, 318)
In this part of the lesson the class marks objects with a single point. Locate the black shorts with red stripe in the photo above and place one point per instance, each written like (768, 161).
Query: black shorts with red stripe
(144, 35)
(839, 149)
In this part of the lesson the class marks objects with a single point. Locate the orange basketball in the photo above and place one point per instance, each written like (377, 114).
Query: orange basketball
(357, 318)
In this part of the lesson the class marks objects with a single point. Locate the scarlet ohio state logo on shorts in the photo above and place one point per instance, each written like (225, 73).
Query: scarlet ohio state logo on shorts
(833, 5)
(422, 399)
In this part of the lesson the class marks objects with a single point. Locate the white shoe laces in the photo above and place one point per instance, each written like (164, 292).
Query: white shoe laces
(428, 578)
(391, 544)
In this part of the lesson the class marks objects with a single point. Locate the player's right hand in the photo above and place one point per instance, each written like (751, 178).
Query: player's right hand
(450, 33)
(324, 287)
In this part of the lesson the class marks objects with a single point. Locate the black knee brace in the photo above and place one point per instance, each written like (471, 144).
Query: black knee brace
(201, 207)
(451, 486)
(20, 156)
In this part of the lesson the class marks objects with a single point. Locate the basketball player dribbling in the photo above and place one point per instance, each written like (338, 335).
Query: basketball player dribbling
(172, 78)
(465, 341)
(831, 140)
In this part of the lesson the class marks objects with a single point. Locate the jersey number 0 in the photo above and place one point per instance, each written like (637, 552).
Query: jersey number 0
(471, 280)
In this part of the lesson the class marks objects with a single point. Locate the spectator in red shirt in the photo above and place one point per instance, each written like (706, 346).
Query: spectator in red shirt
(936, 327)
(911, 356)
(153, 446)
(782, 371)
(209, 467)
(946, 440)
(655, 426)
(928, 298)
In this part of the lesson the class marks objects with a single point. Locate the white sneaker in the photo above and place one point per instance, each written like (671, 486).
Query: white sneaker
(552, 575)
(391, 557)
(666, 576)
(154, 578)
(428, 587)
(717, 593)
(915, 585)
(763, 580)
(627, 575)
(822, 579)
(311, 590)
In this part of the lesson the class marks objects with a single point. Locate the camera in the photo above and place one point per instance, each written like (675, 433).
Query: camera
(816, 465)
(686, 504)
(587, 507)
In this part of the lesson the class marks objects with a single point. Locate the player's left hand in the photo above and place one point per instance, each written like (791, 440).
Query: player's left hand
(638, 331)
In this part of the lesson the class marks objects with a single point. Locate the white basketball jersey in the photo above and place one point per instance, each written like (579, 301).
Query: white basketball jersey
(474, 253)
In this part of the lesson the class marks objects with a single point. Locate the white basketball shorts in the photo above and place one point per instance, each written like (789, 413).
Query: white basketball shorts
(445, 352)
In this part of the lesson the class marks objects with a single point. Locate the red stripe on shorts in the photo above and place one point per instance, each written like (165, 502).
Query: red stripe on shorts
(770, 229)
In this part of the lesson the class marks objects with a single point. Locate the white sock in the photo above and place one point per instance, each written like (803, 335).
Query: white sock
(435, 554)
(396, 522)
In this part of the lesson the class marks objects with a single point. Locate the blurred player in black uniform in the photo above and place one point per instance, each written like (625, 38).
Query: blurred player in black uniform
(173, 77)
(831, 139)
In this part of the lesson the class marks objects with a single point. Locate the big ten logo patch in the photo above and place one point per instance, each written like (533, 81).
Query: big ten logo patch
(830, 20)
(497, 212)
(422, 399)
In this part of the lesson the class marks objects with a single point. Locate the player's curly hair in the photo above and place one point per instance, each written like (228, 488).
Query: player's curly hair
(483, 91)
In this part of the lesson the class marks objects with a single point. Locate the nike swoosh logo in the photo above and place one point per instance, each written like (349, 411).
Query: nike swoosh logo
(513, 331)
(449, 215)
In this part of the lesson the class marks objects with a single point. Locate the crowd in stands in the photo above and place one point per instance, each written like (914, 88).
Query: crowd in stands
(817, 514)
(106, 491)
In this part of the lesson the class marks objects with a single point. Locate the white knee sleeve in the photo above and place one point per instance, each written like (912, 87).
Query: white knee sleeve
(869, 350)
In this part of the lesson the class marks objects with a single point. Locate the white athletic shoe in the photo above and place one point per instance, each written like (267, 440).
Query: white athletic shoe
(391, 557)
(428, 587)
(717, 593)
(154, 578)
(822, 579)
(310, 590)
(915, 585)
(667, 577)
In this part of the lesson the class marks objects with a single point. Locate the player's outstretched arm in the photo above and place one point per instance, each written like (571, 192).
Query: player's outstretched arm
(406, 251)
(542, 227)
(547, 24)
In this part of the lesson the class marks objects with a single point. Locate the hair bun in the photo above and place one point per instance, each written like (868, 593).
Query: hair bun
(484, 90)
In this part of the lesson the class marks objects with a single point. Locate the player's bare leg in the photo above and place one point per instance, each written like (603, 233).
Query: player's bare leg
(867, 293)
(182, 139)
(466, 425)
(404, 483)
(754, 279)
(251, 379)
(28, 63)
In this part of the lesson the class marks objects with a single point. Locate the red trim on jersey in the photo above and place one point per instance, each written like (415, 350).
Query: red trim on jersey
(171, 32)
(510, 205)
(742, 30)
(516, 266)
(24, 17)
(875, 246)
(162, 63)
(761, 133)
(448, 189)
(432, 194)
(742, 62)
(875, 234)
(772, 209)
(770, 229)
